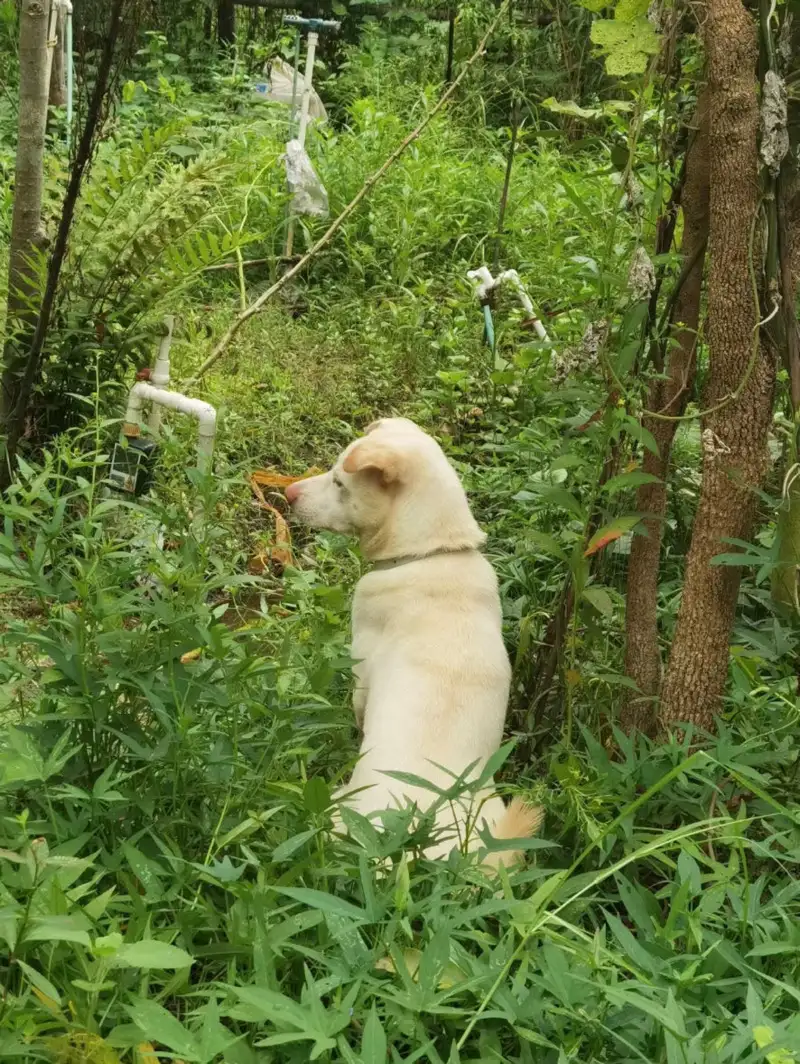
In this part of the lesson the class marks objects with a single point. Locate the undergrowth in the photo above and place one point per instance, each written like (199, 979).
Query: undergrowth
(175, 718)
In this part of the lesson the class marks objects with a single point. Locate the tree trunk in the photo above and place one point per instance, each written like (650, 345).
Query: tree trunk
(783, 266)
(741, 367)
(793, 222)
(666, 396)
(226, 22)
(30, 363)
(58, 71)
(27, 234)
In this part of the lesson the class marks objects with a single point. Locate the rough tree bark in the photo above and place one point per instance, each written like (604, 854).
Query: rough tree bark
(667, 395)
(734, 434)
(27, 235)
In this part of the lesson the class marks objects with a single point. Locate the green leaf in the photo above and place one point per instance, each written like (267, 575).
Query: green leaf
(10, 919)
(95, 908)
(630, 10)
(349, 938)
(771, 949)
(629, 480)
(569, 107)
(290, 846)
(402, 889)
(42, 984)
(534, 1038)
(600, 599)
(737, 559)
(373, 1041)
(107, 945)
(321, 1042)
(149, 953)
(637, 953)
(59, 929)
(620, 156)
(328, 903)
(146, 871)
(662, 1015)
(278, 1009)
(616, 679)
(20, 760)
(316, 795)
(158, 1025)
(551, 495)
(540, 543)
(93, 988)
(639, 903)
(183, 151)
(627, 44)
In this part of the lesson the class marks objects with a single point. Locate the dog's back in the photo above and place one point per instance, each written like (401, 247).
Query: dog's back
(435, 668)
(432, 671)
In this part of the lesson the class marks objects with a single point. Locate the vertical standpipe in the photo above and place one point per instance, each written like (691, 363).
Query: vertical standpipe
(314, 26)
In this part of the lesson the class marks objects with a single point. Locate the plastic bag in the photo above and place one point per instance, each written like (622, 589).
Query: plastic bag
(308, 192)
(277, 88)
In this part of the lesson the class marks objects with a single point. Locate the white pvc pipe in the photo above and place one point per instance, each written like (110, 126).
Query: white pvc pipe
(485, 284)
(483, 281)
(311, 48)
(512, 277)
(159, 375)
(308, 77)
(142, 392)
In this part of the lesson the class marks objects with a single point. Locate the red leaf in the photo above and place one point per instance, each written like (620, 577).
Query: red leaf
(609, 533)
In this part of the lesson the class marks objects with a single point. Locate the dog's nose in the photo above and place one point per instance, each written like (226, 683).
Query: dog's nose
(293, 493)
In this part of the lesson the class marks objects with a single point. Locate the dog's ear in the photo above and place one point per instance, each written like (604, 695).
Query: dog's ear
(369, 455)
(373, 425)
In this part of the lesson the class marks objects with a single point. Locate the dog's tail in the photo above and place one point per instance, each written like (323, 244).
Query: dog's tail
(518, 821)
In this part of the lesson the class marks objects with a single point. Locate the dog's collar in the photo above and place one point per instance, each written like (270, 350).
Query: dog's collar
(406, 559)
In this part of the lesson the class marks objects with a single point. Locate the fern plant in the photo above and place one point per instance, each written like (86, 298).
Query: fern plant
(150, 224)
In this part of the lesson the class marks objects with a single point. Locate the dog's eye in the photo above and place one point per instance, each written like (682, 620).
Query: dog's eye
(338, 483)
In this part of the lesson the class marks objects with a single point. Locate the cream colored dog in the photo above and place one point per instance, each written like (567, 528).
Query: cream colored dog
(432, 673)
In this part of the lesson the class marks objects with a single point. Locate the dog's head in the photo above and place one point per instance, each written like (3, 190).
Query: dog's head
(395, 490)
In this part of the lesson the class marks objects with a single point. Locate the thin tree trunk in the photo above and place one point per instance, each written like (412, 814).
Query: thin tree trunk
(12, 422)
(226, 22)
(735, 434)
(58, 77)
(551, 650)
(667, 396)
(785, 332)
(796, 244)
(27, 235)
(501, 213)
(785, 583)
(451, 38)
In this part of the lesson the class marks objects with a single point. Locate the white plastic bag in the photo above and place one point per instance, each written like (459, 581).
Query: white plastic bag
(308, 192)
(277, 88)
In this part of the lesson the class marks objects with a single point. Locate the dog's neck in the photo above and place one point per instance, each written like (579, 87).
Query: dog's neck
(406, 559)
(417, 530)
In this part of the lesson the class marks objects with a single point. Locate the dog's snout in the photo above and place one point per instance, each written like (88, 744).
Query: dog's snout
(293, 493)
